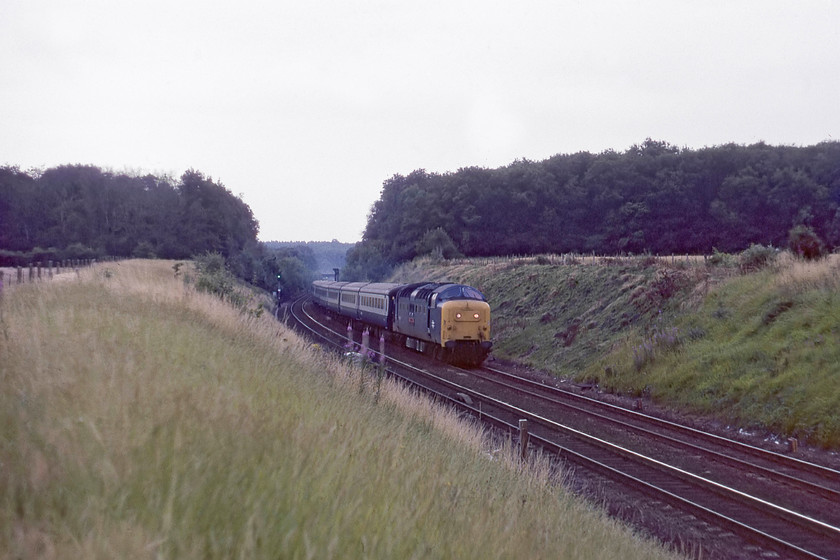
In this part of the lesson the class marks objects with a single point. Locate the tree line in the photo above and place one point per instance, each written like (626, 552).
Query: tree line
(653, 198)
(81, 211)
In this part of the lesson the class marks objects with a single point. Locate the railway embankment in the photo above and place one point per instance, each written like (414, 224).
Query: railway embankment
(144, 418)
(753, 347)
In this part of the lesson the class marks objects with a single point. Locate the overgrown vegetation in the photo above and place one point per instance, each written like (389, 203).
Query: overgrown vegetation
(751, 339)
(140, 418)
(652, 199)
(761, 351)
(213, 277)
(756, 257)
(120, 215)
(83, 212)
(804, 242)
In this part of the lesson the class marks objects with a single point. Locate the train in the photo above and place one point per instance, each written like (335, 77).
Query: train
(448, 321)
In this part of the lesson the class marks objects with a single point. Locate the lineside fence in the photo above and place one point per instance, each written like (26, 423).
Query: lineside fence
(588, 258)
(43, 271)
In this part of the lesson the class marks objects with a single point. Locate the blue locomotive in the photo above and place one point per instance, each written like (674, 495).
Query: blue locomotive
(449, 321)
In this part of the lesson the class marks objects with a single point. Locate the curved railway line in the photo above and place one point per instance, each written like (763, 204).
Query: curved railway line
(734, 500)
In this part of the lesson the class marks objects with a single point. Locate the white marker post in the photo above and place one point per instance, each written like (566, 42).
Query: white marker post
(381, 373)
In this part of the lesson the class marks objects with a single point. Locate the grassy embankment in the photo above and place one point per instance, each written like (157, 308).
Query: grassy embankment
(760, 350)
(141, 419)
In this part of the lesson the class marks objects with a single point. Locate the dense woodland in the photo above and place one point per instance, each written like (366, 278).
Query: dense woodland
(653, 198)
(81, 211)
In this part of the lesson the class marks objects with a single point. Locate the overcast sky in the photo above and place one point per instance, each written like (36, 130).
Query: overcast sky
(306, 107)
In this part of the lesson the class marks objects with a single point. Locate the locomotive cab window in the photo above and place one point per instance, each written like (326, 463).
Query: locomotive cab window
(460, 292)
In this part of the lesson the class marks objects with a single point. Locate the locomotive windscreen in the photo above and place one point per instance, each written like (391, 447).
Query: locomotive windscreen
(460, 292)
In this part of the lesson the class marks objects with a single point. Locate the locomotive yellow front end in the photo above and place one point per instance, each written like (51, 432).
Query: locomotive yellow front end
(465, 330)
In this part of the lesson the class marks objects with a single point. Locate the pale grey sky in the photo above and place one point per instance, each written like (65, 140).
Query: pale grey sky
(305, 108)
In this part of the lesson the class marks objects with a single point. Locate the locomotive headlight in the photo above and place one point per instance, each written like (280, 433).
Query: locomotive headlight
(476, 316)
(457, 315)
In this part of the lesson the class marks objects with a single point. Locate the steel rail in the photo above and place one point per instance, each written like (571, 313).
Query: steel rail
(793, 462)
(826, 491)
(803, 521)
(758, 535)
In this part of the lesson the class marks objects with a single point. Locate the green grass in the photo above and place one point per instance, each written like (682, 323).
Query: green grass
(142, 419)
(759, 350)
(557, 317)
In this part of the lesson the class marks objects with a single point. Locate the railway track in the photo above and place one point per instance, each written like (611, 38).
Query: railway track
(817, 481)
(749, 502)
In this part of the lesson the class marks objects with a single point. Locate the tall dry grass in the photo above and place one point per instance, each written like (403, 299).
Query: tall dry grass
(140, 419)
(796, 275)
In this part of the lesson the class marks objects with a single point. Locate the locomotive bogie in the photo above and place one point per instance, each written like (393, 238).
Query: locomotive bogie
(414, 344)
(466, 353)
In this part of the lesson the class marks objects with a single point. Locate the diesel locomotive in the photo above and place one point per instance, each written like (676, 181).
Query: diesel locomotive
(446, 320)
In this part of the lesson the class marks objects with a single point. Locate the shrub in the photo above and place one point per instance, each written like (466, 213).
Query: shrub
(805, 243)
(437, 243)
(215, 278)
(662, 339)
(41, 255)
(144, 250)
(756, 257)
(13, 258)
(77, 251)
(719, 259)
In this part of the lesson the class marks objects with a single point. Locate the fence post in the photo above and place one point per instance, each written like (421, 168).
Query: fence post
(523, 438)
(365, 343)
(20, 274)
(381, 373)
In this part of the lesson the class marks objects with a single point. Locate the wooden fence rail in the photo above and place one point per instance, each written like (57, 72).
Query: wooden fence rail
(40, 271)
